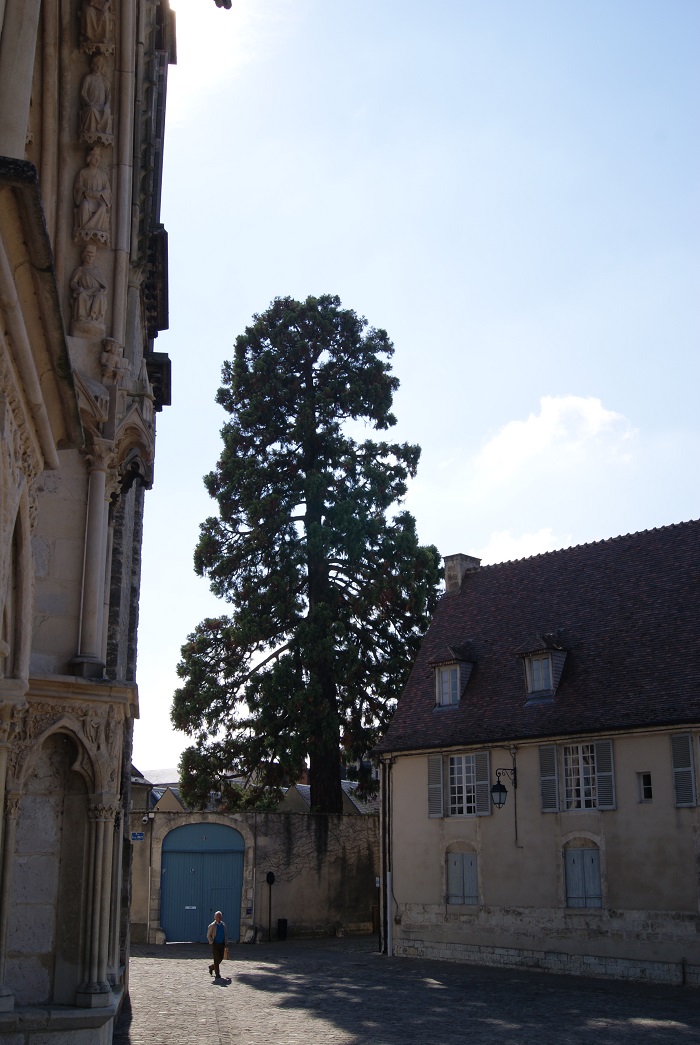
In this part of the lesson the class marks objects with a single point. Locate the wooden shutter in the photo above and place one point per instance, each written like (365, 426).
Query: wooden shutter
(483, 783)
(435, 800)
(575, 888)
(455, 877)
(462, 881)
(471, 884)
(591, 877)
(604, 775)
(683, 776)
(582, 867)
(549, 789)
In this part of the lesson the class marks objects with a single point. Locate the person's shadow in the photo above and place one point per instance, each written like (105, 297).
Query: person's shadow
(222, 981)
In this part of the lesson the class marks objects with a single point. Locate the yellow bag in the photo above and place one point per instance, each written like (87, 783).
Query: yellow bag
(226, 951)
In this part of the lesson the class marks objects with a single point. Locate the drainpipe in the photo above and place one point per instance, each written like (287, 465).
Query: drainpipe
(387, 912)
(255, 870)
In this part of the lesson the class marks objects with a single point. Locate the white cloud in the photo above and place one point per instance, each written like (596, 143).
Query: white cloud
(566, 427)
(503, 546)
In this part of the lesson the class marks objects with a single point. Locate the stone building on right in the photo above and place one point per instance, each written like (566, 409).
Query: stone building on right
(539, 776)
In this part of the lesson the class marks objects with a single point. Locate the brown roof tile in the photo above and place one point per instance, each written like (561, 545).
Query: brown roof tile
(626, 610)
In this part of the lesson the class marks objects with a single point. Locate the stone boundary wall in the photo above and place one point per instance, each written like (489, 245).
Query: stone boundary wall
(673, 974)
(653, 946)
(325, 871)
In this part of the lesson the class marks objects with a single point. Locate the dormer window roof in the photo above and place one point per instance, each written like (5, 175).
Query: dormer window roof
(543, 659)
(452, 668)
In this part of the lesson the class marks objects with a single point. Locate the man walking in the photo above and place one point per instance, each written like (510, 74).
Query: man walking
(216, 935)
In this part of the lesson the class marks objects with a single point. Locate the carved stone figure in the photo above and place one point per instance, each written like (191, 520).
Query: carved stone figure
(96, 27)
(92, 195)
(89, 287)
(115, 369)
(96, 109)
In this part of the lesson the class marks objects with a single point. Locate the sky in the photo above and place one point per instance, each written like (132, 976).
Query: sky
(511, 189)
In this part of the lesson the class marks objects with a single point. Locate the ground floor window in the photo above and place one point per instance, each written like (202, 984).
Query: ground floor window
(582, 868)
(462, 884)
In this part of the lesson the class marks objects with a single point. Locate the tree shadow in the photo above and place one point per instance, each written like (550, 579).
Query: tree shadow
(348, 985)
(428, 1002)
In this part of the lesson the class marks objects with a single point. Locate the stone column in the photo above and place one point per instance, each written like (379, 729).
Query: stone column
(95, 990)
(115, 901)
(7, 1000)
(17, 50)
(11, 697)
(89, 662)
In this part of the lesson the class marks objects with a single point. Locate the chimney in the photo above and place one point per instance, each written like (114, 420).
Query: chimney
(455, 568)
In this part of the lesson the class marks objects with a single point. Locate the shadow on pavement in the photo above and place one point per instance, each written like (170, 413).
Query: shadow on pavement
(347, 985)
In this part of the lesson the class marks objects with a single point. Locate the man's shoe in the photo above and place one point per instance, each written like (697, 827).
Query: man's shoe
(211, 970)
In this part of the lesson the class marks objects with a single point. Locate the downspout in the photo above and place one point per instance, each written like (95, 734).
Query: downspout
(387, 906)
(255, 871)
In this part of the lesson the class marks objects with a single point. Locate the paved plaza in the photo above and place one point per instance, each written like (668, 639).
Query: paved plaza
(342, 992)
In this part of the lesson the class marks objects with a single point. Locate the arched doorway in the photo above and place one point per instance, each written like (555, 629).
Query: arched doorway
(201, 873)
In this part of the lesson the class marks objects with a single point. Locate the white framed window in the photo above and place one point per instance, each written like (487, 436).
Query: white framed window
(582, 874)
(588, 776)
(447, 685)
(538, 669)
(467, 776)
(645, 791)
(459, 785)
(462, 878)
(588, 780)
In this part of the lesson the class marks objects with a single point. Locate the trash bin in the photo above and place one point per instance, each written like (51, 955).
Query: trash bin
(281, 928)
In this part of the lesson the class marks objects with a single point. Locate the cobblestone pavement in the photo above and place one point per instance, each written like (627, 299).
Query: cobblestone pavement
(342, 992)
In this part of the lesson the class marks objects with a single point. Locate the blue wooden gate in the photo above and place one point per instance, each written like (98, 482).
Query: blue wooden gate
(201, 873)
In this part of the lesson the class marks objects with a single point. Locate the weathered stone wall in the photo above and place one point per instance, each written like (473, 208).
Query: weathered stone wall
(325, 870)
(658, 946)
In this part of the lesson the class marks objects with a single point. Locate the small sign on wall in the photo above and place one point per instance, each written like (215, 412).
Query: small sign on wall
(137, 836)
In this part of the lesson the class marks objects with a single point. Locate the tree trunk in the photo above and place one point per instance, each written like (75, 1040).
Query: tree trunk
(324, 776)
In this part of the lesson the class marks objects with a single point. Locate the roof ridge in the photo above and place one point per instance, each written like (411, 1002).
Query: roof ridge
(589, 544)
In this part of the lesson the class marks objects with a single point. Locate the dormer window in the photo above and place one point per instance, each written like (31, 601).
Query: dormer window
(543, 659)
(538, 668)
(452, 668)
(447, 682)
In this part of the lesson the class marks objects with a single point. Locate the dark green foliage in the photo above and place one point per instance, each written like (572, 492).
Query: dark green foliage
(329, 597)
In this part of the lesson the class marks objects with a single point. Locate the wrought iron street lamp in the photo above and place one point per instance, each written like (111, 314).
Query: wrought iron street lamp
(499, 791)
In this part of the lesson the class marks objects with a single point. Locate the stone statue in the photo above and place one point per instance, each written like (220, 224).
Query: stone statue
(89, 288)
(96, 98)
(92, 195)
(115, 369)
(96, 27)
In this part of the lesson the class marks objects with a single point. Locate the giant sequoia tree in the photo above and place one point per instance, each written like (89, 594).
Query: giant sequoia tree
(329, 589)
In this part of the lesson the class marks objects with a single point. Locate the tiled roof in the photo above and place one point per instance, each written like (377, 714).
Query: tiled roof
(626, 610)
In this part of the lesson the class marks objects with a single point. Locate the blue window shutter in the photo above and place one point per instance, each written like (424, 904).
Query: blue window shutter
(575, 888)
(435, 800)
(605, 776)
(455, 878)
(683, 776)
(549, 790)
(462, 881)
(471, 884)
(591, 877)
(483, 783)
(582, 867)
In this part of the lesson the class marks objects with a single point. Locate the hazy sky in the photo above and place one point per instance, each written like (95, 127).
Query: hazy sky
(511, 189)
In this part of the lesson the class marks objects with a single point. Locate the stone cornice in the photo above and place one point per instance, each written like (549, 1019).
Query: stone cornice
(91, 691)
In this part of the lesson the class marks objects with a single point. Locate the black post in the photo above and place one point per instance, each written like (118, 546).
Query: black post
(270, 881)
